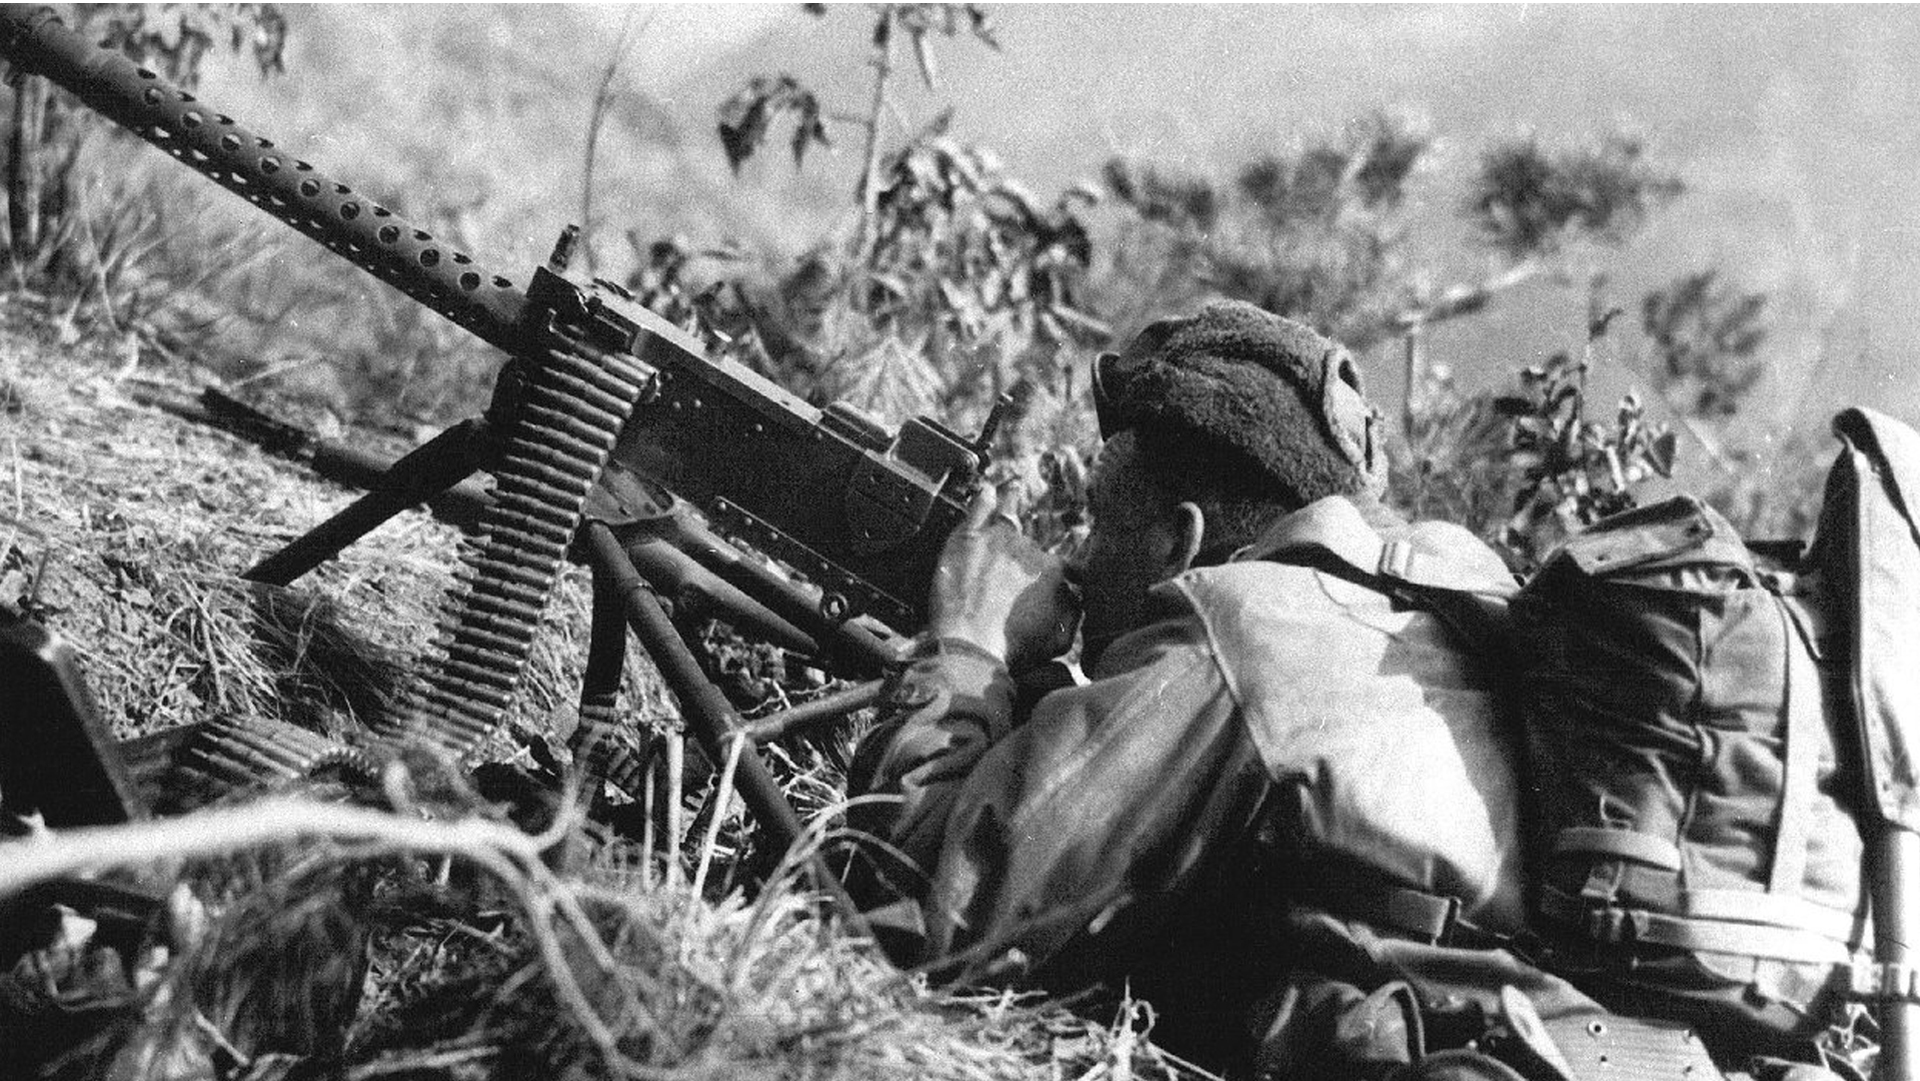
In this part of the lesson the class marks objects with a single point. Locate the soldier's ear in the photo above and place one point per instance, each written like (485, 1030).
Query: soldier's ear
(1189, 537)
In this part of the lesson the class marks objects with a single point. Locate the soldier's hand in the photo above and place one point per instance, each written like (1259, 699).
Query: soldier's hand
(1002, 592)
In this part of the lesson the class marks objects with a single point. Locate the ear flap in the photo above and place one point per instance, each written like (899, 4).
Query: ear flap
(1351, 420)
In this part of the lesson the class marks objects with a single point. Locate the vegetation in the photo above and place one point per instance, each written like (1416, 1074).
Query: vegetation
(947, 286)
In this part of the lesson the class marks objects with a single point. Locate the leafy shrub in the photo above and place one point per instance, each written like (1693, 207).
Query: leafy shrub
(1530, 201)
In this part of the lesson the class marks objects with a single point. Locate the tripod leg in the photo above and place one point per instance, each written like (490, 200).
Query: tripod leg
(819, 713)
(426, 471)
(598, 756)
(597, 752)
(1894, 859)
(707, 713)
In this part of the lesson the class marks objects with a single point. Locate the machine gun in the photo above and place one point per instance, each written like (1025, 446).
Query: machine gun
(600, 405)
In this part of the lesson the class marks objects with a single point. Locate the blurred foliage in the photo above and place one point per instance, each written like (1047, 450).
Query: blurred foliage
(1528, 201)
(1317, 235)
(1328, 233)
(746, 116)
(1706, 334)
(176, 38)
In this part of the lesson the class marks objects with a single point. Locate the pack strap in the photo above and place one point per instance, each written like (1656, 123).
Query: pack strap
(1469, 596)
(1805, 722)
(1659, 888)
(1333, 529)
(1432, 919)
(1778, 910)
(1621, 926)
(1623, 844)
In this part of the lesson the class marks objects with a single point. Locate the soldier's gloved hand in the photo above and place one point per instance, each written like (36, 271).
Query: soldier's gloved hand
(1002, 592)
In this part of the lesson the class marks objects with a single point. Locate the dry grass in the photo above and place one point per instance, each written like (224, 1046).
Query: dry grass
(127, 530)
(521, 973)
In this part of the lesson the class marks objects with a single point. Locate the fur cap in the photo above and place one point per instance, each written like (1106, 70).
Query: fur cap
(1267, 387)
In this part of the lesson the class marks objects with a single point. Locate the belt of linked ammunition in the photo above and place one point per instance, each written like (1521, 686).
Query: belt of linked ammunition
(247, 754)
(574, 405)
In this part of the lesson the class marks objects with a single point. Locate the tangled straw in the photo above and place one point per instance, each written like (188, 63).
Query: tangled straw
(512, 857)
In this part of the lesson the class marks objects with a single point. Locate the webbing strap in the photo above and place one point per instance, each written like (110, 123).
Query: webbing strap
(1416, 914)
(1333, 528)
(1619, 843)
(1804, 723)
(1627, 926)
(1398, 911)
(1777, 909)
(1747, 939)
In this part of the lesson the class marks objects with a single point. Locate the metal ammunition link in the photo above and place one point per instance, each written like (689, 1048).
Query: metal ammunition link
(552, 458)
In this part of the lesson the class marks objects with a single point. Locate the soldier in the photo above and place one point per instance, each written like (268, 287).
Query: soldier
(1279, 807)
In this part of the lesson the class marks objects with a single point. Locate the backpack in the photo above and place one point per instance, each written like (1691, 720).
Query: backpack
(1693, 718)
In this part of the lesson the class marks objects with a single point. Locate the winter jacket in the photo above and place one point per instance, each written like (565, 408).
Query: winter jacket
(1278, 750)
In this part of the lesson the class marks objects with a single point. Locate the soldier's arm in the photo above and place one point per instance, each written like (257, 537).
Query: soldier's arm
(939, 713)
(1040, 834)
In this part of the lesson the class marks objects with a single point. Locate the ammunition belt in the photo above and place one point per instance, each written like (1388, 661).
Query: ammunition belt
(236, 755)
(561, 436)
(573, 408)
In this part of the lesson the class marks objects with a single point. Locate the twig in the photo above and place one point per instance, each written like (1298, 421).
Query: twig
(99, 257)
(602, 97)
(212, 1032)
(722, 794)
(1416, 359)
(15, 522)
(818, 711)
(1631, 363)
(1465, 298)
(647, 817)
(276, 370)
(1182, 1066)
(870, 160)
(421, 1064)
(676, 781)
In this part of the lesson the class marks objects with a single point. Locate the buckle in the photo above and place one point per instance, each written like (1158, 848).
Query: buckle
(1884, 981)
(1426, 917)
(1610, 925)
(1396, 560)
(1449, 921)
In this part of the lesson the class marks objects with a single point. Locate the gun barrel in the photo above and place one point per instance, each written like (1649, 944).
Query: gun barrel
(270, 177)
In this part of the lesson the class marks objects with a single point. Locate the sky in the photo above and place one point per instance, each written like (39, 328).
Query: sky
(1795, 129)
